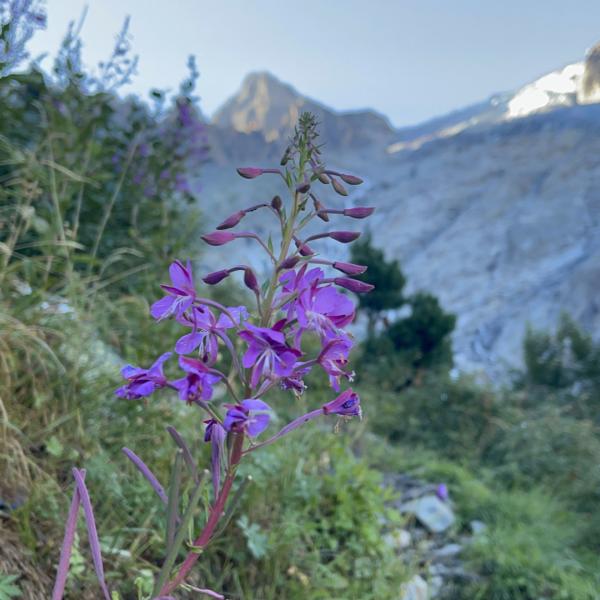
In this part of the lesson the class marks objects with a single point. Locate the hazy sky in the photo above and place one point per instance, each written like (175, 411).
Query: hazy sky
(409, 59)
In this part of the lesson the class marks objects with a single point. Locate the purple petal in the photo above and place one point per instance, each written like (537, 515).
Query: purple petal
(257, 424)
(189, 342)
(92, 533)
(250, 357)
(180, 276)
(255, 404)
(162, 307)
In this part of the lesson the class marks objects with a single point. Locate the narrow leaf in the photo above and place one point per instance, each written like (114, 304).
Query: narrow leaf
(187, 455)
(147, 473)
(173, 502)
(67, 545)
(88, 513)
(179, 536)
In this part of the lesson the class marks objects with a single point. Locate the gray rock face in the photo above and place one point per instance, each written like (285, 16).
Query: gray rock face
(501, 220)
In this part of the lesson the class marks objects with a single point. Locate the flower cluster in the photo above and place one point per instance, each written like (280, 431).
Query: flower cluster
(262, 346)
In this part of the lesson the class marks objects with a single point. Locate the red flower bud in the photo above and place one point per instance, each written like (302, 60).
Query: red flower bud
(304, 249)
(276, 203)
(233, 220)
(321, 212)
(345, 237)
(349, 268)
(249, 172)
(323, 178)
(215, 277)
(359, 287)
(360, 212)
(350, 179)
(250, 280)
(290, 262)
(338, 187)
(303, 187)
(218, 238)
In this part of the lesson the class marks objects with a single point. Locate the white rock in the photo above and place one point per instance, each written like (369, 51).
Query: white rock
(415, 589)
(434, 514)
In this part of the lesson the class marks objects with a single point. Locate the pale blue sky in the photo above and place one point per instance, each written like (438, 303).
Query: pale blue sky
(409, 59)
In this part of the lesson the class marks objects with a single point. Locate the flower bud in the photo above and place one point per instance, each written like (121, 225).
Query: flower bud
(344, 237)
(321, 212)
(360, 212)
(304, 249)
(303, 187)
(233, 220)
(249, 172)
(323, 178)
(218, 238)
(290, 262)
(250, 280)
(349, 268)
(338, 187)
(215, 277)
(358, 287)
(350, 179)
(276, 203)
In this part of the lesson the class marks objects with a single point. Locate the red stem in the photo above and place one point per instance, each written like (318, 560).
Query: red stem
(213, 520)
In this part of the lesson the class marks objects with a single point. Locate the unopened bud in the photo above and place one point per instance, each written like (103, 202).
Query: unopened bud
(215, 277)
(304, 249)
(218, 238)
(321, 213)
(344, 237)
(233, 220)
(249, 172)
(349, 268)
(338, 187)
(350, 179)
(323, 178)
(290, 262)
(303, 187)
(250, 279)
(359, 287)
(360, 212)
(276, 203)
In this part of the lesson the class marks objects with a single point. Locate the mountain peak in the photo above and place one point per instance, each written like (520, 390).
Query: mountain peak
(268, 106)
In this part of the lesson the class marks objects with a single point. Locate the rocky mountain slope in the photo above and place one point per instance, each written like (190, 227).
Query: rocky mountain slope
(494, 208)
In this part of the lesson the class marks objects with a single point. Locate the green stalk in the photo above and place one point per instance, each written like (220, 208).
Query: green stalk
(179, 536)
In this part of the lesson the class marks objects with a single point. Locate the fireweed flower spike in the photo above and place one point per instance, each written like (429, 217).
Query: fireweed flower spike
(262, 343)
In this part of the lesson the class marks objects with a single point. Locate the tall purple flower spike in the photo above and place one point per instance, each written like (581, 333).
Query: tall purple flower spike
(297, 298)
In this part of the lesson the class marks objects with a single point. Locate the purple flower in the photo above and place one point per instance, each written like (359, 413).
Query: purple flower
(295, 381)
(250, 416)
(323, 310)
(347, 404)
(267, 353)
(206, 331)
(333, 359)
(181, 294)
(442, 492)
(142, 382)
(197, 385)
